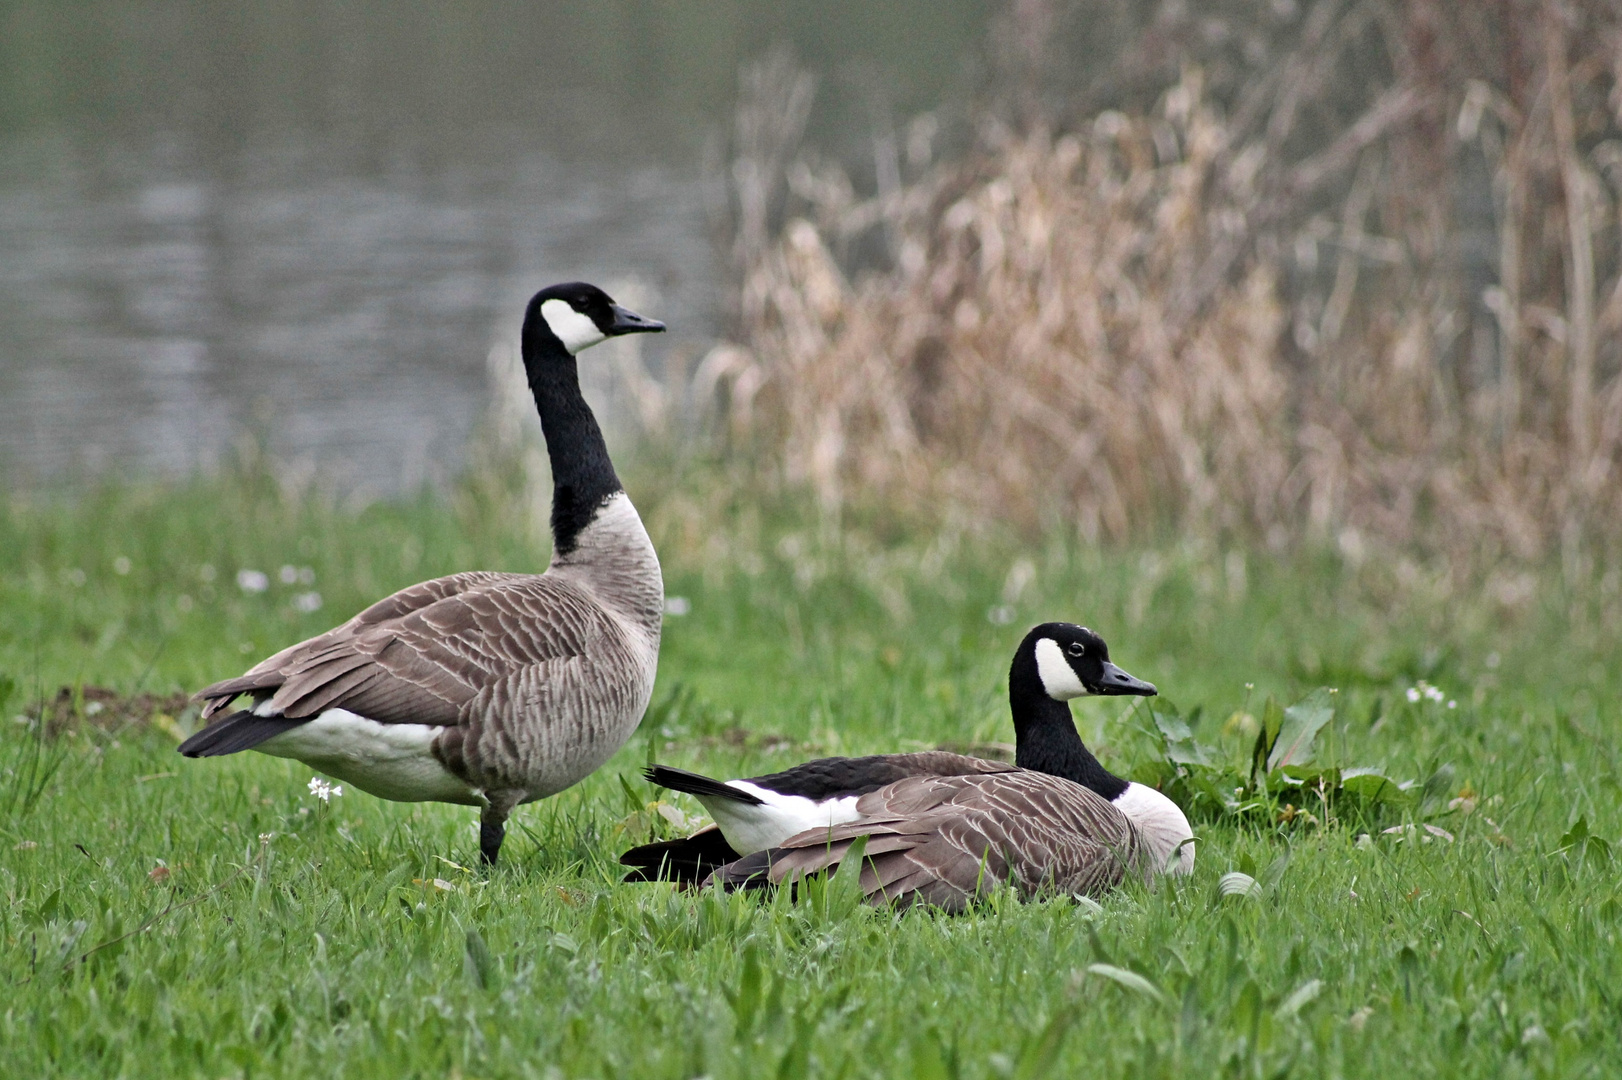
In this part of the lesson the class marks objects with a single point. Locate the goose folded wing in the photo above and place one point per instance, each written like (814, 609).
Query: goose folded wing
(420, 659)
(272, 671)
(946, 841)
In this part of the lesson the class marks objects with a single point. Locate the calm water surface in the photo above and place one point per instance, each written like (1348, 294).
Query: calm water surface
(313, 220)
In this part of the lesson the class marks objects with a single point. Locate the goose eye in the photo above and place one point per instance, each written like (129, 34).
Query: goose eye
(1076, 648)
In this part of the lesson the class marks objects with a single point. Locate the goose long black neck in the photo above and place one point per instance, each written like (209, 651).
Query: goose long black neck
(582, 475)
(1045, 736)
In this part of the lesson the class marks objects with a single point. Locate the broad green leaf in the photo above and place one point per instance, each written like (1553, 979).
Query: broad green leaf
(745, 1000)
(477, 962)
(1408, 966)
(1040, 1055)
(1275, 870)
(930, 1059)
(1300, 726)
(1171, 726)
(1599, 849)
(1579, 840)
(1576, 834)
(1087, 905)
(1372, 785)
(1188, 752)
(1272, 722)
(1181, 748)
(843, 892)
(1153, 773)
(1129, 979)
(1272, 719)
(1439, 785)
(1299, 998)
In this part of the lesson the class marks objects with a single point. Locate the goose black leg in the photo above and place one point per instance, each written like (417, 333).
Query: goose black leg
(493, 822)
(491, 833)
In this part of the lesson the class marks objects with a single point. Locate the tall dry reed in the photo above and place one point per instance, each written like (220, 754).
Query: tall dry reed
(1220, 313)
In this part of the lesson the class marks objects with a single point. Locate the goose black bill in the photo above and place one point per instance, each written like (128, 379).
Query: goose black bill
(1116, 682)
(627, 321)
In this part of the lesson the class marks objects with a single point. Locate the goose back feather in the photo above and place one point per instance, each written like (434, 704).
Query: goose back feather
(947, 841)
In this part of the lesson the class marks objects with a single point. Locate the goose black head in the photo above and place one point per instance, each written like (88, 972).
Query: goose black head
(1072, 661)
(579, 316)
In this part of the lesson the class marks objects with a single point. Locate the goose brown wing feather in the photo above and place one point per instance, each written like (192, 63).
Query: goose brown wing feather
(421, 595)
(274, 670)
(945, 841)
(423, 654)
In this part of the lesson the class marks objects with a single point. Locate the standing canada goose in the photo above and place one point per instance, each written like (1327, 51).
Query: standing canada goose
(485, 689)
(1054, 663)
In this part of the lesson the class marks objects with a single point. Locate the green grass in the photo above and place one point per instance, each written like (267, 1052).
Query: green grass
(329, 948)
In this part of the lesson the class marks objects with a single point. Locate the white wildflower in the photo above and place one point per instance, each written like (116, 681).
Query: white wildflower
(323, 790)
(307, 602)
(677, 606)
(252, 581)
(288, 575)
(1413, 694)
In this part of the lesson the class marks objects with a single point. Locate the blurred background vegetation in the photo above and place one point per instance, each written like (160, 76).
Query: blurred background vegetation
(1256, 277)
(1336, 272)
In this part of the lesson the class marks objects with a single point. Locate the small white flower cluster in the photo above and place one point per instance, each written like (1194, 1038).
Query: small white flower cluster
(257, 581)
(1429, 693)
(323, 790)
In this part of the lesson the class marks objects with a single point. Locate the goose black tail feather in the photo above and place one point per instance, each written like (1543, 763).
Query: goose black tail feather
(694, 784)
(688, 860)
(239, 731)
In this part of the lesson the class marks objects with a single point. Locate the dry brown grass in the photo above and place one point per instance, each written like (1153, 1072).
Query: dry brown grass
(1196, 317)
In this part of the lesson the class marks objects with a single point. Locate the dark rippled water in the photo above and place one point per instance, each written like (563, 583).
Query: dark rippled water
(313, 221)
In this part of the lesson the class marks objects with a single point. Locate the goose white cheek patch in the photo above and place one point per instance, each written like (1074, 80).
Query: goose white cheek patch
(1058, 678)
(575, 330)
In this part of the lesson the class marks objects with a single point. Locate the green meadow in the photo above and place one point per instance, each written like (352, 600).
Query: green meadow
(173, 918)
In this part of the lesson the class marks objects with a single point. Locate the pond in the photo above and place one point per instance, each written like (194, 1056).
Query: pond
(311, 222)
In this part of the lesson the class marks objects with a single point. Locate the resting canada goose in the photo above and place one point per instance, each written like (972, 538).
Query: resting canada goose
(945, 841)
(485, 689)
(1054, 663)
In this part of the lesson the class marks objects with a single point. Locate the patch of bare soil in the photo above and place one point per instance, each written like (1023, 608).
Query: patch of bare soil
(106, 709)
